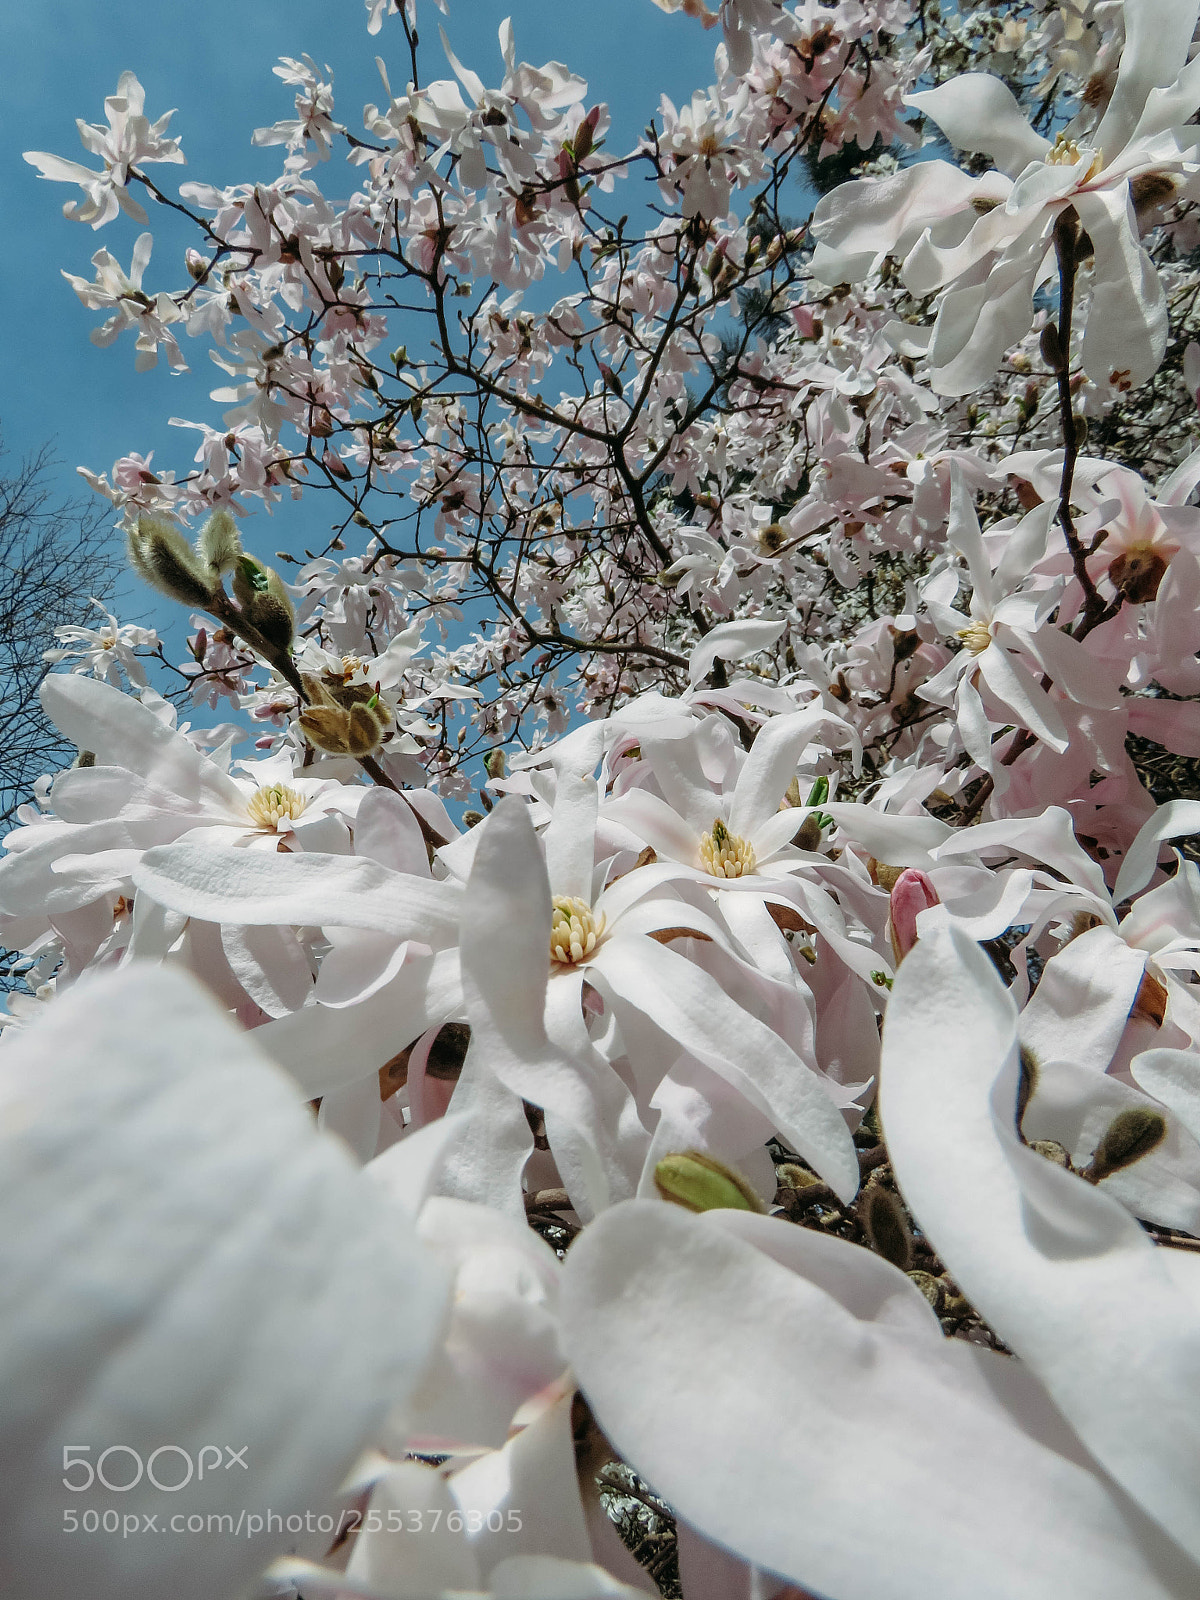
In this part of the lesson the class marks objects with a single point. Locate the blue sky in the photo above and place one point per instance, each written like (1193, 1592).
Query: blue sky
(64, 56)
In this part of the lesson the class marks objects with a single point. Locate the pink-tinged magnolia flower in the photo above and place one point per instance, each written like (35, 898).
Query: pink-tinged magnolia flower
(984, 241)
(129, 140)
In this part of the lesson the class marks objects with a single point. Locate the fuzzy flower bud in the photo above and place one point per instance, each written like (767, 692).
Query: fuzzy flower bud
(162, 556)
(911, 894)
(699, 1182)
(219, 543)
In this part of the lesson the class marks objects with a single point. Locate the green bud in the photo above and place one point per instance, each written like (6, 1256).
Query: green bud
(699, 1182)
(1132, 1134)
(250, 577)
(883, 1216)
(162, 556)
(819, 792)
(219, 543)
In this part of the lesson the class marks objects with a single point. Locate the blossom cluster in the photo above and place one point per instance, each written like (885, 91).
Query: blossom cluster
(764, 1124)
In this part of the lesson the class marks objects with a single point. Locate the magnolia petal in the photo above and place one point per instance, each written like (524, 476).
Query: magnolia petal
(695, 1010)
(1083, 1000)
(1127, 325)
(323, 1047)
(952, 1496)
(387, 831)
(1063, 1273)
(979, 112)
(1141, 859)
(186, 1261)
(771, 765)
(1158, 34)
(121, 732)
(860, 221)
(1016, 688)
(570, 840)
(731, 641)
(255, 888)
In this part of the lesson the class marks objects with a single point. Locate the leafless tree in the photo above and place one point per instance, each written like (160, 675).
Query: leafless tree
(54, 555)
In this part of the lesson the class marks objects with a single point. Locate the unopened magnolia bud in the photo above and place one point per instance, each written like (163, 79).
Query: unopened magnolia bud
(1051, 347)
(273, 619)
(197, 265)
(85, 758)
(791, 1176)
(1132, 1134)
(219, 543)
(929, 1286)
(364, 731)
(911, 894)
(808, 834)
(1052, 1151)
(326, 728)
(162, 556)
(699, 1182)
(494, 764)
(882, 1215)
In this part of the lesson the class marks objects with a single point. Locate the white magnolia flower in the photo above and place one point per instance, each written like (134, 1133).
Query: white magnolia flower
(106, 651)
(148, 785)
(129, 140)
(987, 242)
(544, 929)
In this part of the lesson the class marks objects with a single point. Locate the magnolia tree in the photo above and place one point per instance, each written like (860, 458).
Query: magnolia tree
(753, 1147)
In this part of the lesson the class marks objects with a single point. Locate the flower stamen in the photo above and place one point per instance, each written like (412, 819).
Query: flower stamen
(1065, 152)
(977, 637)
(575, 930)
(274, 803)
(725, 854)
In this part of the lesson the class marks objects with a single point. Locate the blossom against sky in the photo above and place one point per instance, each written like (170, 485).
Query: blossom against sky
(65, 56)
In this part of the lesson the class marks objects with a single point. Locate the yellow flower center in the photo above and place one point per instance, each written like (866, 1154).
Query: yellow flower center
(1065, 152)
(575, 930)
(725, 854)
(273, 803)
(976, 638)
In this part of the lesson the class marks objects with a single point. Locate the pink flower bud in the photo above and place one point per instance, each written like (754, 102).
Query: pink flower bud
(912, 893)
